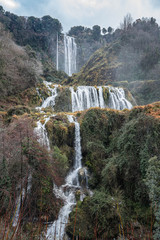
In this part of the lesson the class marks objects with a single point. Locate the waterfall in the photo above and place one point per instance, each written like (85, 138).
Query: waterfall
(67, 191)
(57, 53)
(49, 101)
(83, 97)
(86, 97)
(19, 202)
(117, 99)
(101, 98)
(70, 55)
(41, 132)
(20, 199)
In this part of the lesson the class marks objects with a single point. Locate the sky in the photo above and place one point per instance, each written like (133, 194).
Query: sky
(86, 13)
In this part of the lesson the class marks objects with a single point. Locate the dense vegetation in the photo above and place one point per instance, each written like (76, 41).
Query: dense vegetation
(31, 31)
(121, 152)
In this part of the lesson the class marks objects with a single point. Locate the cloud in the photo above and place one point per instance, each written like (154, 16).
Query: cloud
(98, 12)
(10, 4)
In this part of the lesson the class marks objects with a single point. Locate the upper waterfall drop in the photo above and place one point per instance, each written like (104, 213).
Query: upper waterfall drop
(70, 55)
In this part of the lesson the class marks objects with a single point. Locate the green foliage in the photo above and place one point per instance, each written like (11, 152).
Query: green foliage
(96, 32)
(134, 145)
(153, 183)
(62, 161)
(117, 148)
(110, 29)
(75, 31)
(96, 128)
(106, 95)
(100, 214)
(33, 31)
(104, 31)
(63, 100)
(61, 135)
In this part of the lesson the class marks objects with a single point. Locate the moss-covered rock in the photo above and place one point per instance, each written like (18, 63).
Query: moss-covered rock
(63, 100)
(106, 95)
(96, 127)
(61, 134)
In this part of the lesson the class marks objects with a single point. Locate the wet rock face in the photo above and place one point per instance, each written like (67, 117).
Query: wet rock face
(63, 101)
(83, 177)
(84, 51)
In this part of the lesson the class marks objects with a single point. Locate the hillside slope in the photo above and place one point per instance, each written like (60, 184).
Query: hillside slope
(134, 57)
(19, 68)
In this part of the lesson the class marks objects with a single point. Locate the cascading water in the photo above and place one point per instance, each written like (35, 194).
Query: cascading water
(87, 96)
(19, 202)
(41, 132)
(70, 55)
(50, 101)
(117, 99)
(20, 199)
(67, 191)
(83, 98)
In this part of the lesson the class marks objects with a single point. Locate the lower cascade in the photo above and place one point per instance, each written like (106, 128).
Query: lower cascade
(83, 97)
(49, 101)
(67, 191)
(86, 97)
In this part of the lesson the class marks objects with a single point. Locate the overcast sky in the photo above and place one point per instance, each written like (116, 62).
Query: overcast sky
(86, 13)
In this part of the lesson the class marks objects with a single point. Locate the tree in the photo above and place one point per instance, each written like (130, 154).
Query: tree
(76, 30)
(2, 10)
(104, 31)
(127, 22)
(51, 25)
(96, 33)
(110, 29)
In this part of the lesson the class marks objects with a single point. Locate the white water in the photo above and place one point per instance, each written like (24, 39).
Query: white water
(20, 199)
(41, 132)
(70, 55)
(117, 99)
(86, 97)
(67, 191)
(57, 60)
(19, 202)
(49, 101)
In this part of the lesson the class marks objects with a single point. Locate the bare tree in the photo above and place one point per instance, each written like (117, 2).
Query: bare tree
(127, 22)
